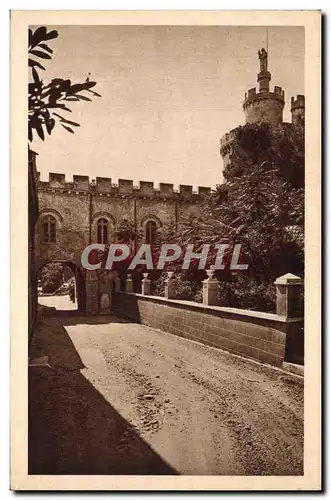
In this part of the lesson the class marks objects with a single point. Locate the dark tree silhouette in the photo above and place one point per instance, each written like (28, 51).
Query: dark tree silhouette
(47, 100)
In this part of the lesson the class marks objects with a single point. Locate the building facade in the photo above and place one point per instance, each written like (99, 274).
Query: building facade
(73, 215)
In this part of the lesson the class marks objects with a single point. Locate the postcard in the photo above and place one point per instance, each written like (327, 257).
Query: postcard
(165, 250)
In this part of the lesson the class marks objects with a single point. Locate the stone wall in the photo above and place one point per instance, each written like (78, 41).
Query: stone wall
(266, 107)
(71, 212)
(77, 206)
(256, 335)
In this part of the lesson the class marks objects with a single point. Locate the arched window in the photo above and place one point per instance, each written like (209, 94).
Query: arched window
(102, 231)
(150, 236)
(49, 229)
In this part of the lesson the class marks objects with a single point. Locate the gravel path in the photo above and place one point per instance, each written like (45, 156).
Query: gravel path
(123, 398)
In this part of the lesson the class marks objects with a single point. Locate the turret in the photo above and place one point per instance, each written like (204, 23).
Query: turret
(226, 146)
(298, 110)
(264, 105)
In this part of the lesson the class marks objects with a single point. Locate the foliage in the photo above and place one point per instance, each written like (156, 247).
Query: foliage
(51, 277)
(248, 294)
(127, 232)
(47, 99)
(265, 198)
(186, 288)
(260, 206)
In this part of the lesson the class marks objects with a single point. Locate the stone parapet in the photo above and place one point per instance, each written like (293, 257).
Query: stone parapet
(252, 96)
(124, 187)
(256, 335)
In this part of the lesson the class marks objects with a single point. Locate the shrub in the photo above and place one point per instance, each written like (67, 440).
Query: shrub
(186, 289)
(51, 277)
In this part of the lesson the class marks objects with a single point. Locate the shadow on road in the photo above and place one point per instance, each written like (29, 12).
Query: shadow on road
(75, 317)
(73, 429)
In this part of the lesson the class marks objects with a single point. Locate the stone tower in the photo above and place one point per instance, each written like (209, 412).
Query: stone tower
(264, 105)
(298, 110)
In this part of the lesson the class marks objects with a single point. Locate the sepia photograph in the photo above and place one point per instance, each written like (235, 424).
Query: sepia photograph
(166, 235)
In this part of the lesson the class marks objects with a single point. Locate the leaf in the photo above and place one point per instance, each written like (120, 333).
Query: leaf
(68, 128)
(40, 131)
(59, 116)
(67, 121)
(94, 93)
(72, 99)
(62, 106)
(56, 81)
(77, 87)
(35, 76)
(51, 34)
(32, 63)
(88, 85)
(50, 124)
(38, 35)
(45, 47)
(39, 53)
(65, 85)
(83, 98)
(75, 124)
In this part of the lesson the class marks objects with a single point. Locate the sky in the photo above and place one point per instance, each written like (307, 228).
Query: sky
(168, 94)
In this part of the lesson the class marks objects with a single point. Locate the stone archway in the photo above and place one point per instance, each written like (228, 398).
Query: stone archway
(79, 279)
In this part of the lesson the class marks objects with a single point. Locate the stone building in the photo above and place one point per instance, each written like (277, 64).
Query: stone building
(264, 106)
(75, 214)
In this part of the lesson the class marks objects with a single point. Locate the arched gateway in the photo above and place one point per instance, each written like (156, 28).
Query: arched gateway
(79, 276)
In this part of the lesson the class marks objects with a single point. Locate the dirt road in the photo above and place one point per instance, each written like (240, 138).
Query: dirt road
(122, 398)
(60, 302)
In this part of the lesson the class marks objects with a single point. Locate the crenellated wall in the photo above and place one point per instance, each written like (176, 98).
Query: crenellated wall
(78, 205)
(124, 186)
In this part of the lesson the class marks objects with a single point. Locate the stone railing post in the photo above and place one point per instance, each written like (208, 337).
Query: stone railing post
(170, 286)
(117, 284)
(129, 284)
(145, 285)
(288, 288)
(210, 289)
(92, 293)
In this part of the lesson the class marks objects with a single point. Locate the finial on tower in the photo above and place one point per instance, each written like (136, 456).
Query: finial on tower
(263, 56)
(264, 76)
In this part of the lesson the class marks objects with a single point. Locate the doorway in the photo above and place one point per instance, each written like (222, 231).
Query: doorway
(60, 288)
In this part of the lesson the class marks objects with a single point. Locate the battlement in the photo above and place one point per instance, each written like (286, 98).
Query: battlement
(252, 96)
(228, 137)
(104, 185)
(297, 103)
(279, 91)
